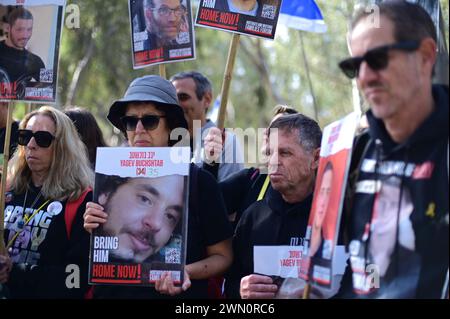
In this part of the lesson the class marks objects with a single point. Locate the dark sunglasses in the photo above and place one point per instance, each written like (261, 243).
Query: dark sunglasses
(377, 59)
(150, 122)
(42, 138)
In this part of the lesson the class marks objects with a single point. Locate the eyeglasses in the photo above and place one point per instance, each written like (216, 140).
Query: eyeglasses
(150, 122)
(377, 59)
(42, 138)
(165, 11)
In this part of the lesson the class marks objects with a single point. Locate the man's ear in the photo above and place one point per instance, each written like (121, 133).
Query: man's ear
(207, 99)
(316, 155)
(428, 53)
(103, 199)
(7, 28)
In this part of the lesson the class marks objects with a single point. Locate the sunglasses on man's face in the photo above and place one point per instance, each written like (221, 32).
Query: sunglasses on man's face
(150, 122)
(42, 138)
(377, 59)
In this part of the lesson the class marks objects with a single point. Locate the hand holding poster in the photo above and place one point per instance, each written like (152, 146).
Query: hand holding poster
(144, 195)
(29, 49)
(285, 264)
(323, 225)
(253, 17)
(161, 31)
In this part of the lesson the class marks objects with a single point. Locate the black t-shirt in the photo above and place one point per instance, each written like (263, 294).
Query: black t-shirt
(20, 64)
(207, 225)
(42, 251)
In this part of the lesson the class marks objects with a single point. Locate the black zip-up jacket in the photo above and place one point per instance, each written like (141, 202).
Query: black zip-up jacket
(269, 222)
(413, 256)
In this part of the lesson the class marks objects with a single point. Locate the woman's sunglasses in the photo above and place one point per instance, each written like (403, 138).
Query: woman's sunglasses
(42, 138)
(150, 122)
(377, 59)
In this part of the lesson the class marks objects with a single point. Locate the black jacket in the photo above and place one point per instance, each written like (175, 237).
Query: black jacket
(417, 172)
(268, 222)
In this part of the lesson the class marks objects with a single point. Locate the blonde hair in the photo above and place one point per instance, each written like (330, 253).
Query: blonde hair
(69, 174)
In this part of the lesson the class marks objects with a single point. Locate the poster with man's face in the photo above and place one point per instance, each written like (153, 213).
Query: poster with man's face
(161, 31)
(144, 192)
(249, 17)
(324, 219)
(30, 32)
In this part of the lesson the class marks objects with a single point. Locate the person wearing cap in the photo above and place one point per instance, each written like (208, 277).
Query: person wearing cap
(146, 115)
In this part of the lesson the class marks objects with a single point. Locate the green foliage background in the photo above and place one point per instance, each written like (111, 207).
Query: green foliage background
(102, 45)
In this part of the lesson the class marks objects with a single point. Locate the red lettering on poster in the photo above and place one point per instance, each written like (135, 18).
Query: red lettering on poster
(8, 90)
(229, 18)
(103, 271)
(127, 271)
(209, 15)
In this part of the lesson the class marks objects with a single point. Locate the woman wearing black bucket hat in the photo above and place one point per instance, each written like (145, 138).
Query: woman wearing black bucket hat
(155, 97)
(147, 114)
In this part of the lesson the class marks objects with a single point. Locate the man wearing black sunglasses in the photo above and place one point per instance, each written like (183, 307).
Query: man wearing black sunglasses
(148, 114)
(407, 139)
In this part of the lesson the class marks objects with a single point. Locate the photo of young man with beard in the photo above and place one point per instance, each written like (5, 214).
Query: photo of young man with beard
(144, 216)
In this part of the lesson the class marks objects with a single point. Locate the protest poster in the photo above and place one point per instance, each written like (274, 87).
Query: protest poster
(256, 18)
(284, 265)
(324, 220)
(144, 191)
(30, 33)
(161, 31)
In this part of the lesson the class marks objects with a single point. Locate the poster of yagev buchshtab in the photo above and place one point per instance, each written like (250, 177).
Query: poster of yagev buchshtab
(161, 32)
(258, 18)
(144, 192)
(324, 220)
(30, 32)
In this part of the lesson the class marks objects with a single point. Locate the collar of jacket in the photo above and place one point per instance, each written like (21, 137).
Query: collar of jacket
(434, 127)
(276, 202)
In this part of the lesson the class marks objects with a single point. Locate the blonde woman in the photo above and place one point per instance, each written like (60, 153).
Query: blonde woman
(50, 179)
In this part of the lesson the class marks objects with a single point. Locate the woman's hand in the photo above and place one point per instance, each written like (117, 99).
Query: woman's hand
(165, 284)
(94, 216)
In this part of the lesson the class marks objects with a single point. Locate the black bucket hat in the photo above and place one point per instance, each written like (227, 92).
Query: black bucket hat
(150, 88)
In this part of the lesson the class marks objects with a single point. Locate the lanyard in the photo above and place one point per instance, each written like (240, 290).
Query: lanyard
(263, 191)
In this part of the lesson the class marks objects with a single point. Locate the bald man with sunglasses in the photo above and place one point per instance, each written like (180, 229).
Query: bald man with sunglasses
(407, 138)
